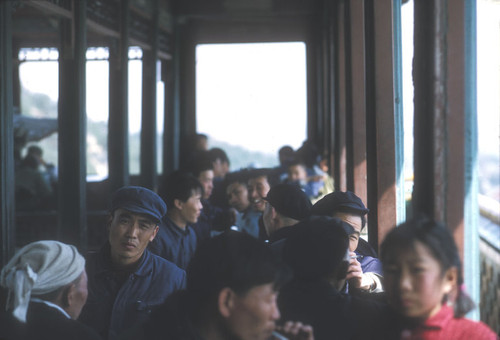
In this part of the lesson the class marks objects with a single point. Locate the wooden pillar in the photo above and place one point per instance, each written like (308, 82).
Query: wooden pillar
(118, 158)
(72, 120)
(7, 208)
(148, 131)
(383, 95)
(430, 128)
(445, 124)
(356, 99)
(340, 119)
(330, 143)
(314, 75)
(16, 80)
(187, 82)
(171, 131)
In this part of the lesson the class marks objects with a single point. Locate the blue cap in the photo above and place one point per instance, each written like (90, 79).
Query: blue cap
(339, 201)
(139, 200)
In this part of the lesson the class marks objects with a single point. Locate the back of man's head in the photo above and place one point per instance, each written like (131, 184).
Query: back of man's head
(179, 185)
(41, 269)
(35, 150)
(202, 163)
(286, 154)
(289, 201)
(232, 260)
(317, 249)
(218, 154)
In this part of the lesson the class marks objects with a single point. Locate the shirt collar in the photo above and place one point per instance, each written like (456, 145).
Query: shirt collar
(439, 320)
(169, 223)
(50, 304)
(104, 262)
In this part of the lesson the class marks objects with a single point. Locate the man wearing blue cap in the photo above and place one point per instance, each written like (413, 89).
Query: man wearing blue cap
(365, 270)
(125, 280)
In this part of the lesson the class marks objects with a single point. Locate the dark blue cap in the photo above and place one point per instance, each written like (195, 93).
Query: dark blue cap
(289, 200)
(339, 201)
(139, 200)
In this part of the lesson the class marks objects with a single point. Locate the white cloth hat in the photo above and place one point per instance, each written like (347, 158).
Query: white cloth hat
(39, 268)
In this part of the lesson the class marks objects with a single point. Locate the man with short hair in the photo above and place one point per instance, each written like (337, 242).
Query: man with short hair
(286, 205)
(365, 274)
(247, 219)
(126, 281)
(298, 174)
(318, 254)
(220, 166)
(232, 287)
(220, 162)
(176, 240)
(212, 218)
(258, 187)
(47, 288)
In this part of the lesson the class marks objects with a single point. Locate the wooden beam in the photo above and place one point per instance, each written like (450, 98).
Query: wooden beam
(72, 120)
(148, 130)
(7, 199)
(340, 119)
(170, 135)
(52, 8)
(332, 86)
(356, 98)
(446, 124)
(430, 130)
(118, 158)
(381, 115)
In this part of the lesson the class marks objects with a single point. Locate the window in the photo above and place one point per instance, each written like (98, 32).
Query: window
(251, 99)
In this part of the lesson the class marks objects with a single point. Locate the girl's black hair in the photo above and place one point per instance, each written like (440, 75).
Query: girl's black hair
(440, 242)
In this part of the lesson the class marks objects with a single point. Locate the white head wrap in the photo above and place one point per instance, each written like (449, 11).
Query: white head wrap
(39, 268)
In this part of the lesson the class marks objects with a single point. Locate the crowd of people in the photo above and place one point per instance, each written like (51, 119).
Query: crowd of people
(251, 254)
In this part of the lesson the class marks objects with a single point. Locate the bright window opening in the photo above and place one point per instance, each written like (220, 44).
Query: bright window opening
(251, 99)
(134, 108)
(97, 102)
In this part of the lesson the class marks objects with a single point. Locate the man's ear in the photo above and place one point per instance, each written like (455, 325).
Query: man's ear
(178, 204)
(450, 279)
(226, 302)
(154, 233)
(66, 297)
(109, 220)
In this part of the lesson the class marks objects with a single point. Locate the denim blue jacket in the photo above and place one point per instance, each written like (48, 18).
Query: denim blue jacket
(118, 302)
(173, 243)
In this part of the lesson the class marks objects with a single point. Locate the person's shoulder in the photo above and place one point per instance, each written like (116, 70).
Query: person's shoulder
(164, 266)
(82, 331)
(470, 329)
(48, 323)
(165, 273)
(371, 264)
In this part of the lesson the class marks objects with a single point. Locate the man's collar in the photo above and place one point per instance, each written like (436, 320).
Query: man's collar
(143, 267)
(52, 305)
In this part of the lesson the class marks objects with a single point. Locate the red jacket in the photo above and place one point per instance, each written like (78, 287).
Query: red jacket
(444, 326)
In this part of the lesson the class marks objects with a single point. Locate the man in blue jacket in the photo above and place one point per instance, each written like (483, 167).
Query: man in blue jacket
(125, 280)
(365, 270)
(177, 240)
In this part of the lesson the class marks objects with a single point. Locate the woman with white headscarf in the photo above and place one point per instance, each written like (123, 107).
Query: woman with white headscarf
(46, 286)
